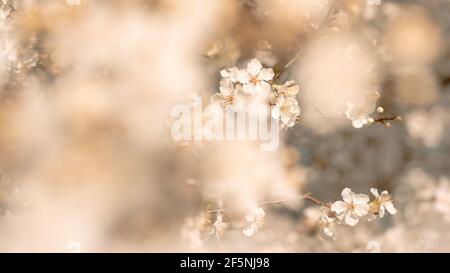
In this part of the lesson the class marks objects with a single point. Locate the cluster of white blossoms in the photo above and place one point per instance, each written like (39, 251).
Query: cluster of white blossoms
(348, 211)
(6, 8)
(286, 106)
(196, 230)
(254, 85)
(360, 117)
(357, 115)
(352, 208)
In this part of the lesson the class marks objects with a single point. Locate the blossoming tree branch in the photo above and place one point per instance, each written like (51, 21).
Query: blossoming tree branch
(256, 84)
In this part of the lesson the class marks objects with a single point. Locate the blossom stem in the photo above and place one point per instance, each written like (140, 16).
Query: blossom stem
(319, 29)
(304, 197)
(386, 119)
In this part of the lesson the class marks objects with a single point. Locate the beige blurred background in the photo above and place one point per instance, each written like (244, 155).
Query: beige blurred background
(87, 162)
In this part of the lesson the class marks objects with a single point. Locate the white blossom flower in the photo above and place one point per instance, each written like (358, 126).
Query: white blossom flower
(227, 93)
(352, 208)
(286, 109)
(383, 202)
(219, 226)
(289, 88)
(190, 231)
(230, 73)
(373, 247)
(357, 115)
(226, 87)
(254, 220)
(255, 78)
(326, 225)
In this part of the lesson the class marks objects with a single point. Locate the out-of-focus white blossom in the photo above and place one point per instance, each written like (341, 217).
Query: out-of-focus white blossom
(219, 226)
(383, 202)
(357, 115)
(264, 53)
(352, 208)
(254, 220)
(373, 247)
(289, 88)
(337, 68)
(427, 126)
(230, 73)
(7, 7)
(442, 196)
(191, 232)
(326, 225)
(73, 2)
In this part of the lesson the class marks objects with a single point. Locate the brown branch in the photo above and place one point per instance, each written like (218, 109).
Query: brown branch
(386, 119)
(307, 197)
(316, 201)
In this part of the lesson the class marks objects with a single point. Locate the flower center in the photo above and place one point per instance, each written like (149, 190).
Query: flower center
(350, 206)
(228, 99)
(284, 109)
(254, 79)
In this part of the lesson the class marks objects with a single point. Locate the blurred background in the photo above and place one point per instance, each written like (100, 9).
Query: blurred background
(87, 162)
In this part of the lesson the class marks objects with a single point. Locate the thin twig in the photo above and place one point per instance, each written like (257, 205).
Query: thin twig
(304, 197)
(319, 29)
(316, 201)
(386, 119)
(293, 59)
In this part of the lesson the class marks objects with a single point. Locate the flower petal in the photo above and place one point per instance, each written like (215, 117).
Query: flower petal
(390, 208)
(226, 87)
(349, 110)
(266, 74)
(276, 112)
(229, 73)
(347, 195)
(217, 99)
(249, 88)
(381, 211)
(260, 213)
(280, 101)
(339, 207)
(361, 210)
(250, 230)
(360, 198)
(242, 76)
(263, 87)
(374, 192)
(292, 103)
(254, 66)
(292, 90)
(288, 119)
(351, 220)
(358, 123)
